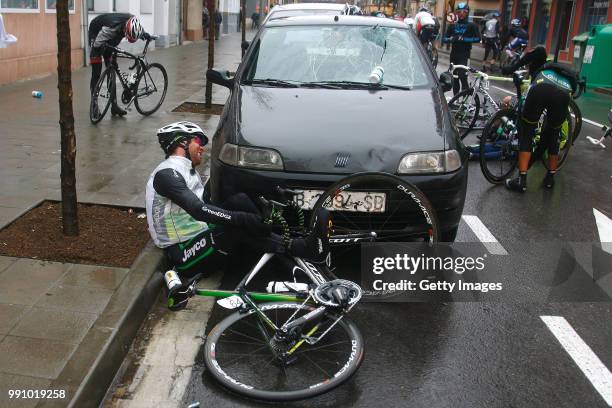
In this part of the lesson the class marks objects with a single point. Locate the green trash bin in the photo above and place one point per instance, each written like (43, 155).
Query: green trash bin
(597, 57)
(580, 43)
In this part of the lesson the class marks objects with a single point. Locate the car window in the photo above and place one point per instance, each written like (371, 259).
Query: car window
(337, 53)
(293, 13)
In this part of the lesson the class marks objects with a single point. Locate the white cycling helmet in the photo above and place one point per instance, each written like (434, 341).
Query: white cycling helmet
(516, 22)
(177, 133)
(352, 10)
(133, 29)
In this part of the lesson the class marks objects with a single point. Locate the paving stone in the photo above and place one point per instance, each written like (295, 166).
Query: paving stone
(8, 214)
(26, 281)
(75, 298)
(20, 382)
(33, 357)
(93, 276)
(9, 316)
(5, 262)
(54, 324)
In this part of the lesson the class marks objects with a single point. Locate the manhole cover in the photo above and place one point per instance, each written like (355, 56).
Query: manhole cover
(198, 107)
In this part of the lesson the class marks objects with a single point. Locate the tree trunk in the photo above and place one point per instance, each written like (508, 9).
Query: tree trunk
(212, 31)
(243, 24)
(70, 222)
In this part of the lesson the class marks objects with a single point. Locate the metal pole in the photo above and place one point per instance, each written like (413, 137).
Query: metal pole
(243, 24)
(85, 32)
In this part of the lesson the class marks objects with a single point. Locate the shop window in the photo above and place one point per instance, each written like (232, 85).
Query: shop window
(90, 5)
(542, 22)
(50, 6)
(19, 6)
(596, 13)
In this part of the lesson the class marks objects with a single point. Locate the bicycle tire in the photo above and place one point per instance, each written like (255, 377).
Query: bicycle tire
(250, 372)
(107, 78)
(434, 57)
(143, 76)
(467, 118)
(565, 147)
(502, 144)
(577, 119)
(417, 219)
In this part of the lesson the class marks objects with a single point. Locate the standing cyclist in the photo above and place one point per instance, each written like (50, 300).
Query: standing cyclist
(191, 230)
(550, 90)
(110, 29)
(462, 34)
(518, 37)
(425, 25)
(490, 34)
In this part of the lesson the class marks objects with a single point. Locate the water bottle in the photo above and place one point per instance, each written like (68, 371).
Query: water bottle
(283, 287)
(376, 75)
(37, 94)
(172, 280)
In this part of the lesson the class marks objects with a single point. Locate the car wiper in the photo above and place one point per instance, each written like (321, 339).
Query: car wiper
(325, 85)
(274, 82)
(351, 84)
(404, 87)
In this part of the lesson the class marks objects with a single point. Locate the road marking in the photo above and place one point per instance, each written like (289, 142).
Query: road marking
(604, 227)
(591, 366)
(484, 235)
(589, 121)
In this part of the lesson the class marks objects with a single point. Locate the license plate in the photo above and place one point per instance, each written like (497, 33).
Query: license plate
(355, 201)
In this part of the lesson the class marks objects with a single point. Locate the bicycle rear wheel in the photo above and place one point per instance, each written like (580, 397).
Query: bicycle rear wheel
(151, 89)
(499, 146)
(565, 143)
(238, 353)
(465, 107)
(380, 205)
(434, 57)
(102, 96)
(576, 119)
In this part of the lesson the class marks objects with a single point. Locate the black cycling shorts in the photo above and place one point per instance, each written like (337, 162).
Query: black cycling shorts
(427, 33)
(555, 101)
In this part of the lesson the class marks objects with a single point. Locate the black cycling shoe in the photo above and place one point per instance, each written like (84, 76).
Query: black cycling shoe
(178, 299)
(117, 111)
(549, 180)
(516, 184)
(315, 246)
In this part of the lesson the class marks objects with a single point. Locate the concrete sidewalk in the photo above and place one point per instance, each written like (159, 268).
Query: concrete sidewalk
(56, 319)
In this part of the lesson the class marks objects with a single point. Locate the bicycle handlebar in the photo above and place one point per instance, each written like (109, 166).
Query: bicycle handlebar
(581, 88)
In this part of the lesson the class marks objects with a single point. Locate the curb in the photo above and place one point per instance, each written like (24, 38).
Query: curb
(94, 364)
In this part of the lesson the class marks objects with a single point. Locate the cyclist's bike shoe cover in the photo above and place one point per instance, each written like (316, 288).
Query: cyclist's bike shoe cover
(315, 246)
(177, 299)
(549, 180)
(117, 111)
(517, 184)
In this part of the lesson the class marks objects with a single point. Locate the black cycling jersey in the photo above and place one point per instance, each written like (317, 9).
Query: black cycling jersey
(111, 21)
(462, 34)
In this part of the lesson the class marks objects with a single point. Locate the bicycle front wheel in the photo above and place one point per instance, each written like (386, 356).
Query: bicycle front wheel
(565, 143)
(379, 205)
(499, 146)
(102, 96)
(576, 115)
(151, 89)
(241, 353)
(434, 57)
(465, 107)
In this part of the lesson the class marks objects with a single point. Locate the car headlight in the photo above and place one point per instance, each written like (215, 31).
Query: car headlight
(429, 162)
(251, 157)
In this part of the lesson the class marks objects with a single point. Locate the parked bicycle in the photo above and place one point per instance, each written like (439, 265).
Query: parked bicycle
(145, 87)
(299, 343)
(499, 144)
(607, 133)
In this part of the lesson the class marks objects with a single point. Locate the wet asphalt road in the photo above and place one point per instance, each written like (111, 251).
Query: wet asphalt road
(481, 354)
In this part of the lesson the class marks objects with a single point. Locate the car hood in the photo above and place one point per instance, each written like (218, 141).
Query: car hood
(337, 130)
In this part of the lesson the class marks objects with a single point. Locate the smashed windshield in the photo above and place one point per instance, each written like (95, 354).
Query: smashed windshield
(338, 53)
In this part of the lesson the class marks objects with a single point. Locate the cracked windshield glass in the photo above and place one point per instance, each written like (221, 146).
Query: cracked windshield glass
(312, 54)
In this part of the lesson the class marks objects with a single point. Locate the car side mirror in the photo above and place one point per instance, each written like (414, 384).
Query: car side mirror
(446, 81)
(220, 78)
(245, 45)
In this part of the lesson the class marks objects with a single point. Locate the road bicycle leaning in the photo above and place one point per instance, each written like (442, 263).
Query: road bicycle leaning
(296, 341)
(145, 87)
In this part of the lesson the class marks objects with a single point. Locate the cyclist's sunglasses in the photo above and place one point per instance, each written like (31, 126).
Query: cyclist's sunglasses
(199, 140)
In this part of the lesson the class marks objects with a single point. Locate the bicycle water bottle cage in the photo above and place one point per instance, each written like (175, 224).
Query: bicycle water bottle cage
(338, 293)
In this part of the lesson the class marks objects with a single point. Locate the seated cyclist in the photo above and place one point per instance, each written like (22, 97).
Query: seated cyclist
(191, 230)
(551, 87)
(110, 29)
(425, 25)
(518, 37)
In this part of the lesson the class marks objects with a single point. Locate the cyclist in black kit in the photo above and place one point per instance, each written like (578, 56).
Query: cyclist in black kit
(551, 87)
(110, 29)
(191, 230)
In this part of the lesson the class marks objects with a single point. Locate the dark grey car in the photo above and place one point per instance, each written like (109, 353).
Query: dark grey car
(306, 108)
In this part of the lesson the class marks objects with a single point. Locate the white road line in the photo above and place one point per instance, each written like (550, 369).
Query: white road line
(591, 366)
(484, 235)
(604, 227)
(589, 121)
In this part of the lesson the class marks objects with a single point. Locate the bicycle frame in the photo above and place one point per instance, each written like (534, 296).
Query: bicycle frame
(140, 63)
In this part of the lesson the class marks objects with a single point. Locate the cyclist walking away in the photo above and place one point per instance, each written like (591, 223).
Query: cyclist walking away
(110, 29)
(490, 34)
(461, 34)
(425, 26)
(192, 231)
(551, 87)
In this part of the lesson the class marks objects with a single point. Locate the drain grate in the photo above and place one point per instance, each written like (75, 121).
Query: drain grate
(198, 107)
